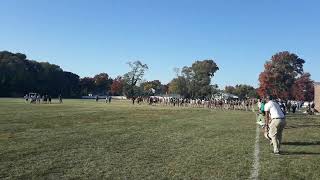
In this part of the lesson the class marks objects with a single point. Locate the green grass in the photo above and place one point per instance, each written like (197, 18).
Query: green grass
(301, 151)
(82, 139)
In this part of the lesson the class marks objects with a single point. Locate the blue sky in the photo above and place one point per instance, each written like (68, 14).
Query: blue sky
(91, 36)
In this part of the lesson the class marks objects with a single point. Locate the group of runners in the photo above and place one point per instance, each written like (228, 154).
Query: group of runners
(35, 98)
(232, 104)
(107, 99)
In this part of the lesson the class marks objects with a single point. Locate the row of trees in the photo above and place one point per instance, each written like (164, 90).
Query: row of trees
(282, 77)
(19, 76)
(99, 84)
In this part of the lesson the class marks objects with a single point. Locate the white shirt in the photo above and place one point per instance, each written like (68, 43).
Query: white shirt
(274, 109)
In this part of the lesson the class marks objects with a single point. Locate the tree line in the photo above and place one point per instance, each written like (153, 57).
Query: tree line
(19, 76)
(282, 77)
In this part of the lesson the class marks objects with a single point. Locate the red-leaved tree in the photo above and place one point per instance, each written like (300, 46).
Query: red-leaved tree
(117, 86)
(303, 88)
(280, 74)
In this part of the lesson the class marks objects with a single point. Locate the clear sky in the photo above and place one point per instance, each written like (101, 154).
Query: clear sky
(92, 36)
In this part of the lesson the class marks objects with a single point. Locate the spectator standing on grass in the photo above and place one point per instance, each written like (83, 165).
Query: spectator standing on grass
(294, 108)
(288, 106)
(311, 109)
(26, 97)
(60, 99)
(133, 100)
(139, 99)
(282, 107)
(259, 104)
(45, 99)
(97, 98)
(247, 105)
(33, 99)
(49, 98)
(38, 98)
(261, 113)
(109, 99)
(276, 121)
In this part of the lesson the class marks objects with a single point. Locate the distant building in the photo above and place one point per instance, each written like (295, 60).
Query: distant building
(317, 96)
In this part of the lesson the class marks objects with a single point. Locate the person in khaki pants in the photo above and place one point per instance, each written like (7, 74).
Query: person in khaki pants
(276, 121)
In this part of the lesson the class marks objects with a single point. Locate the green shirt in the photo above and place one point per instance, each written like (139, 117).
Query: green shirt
(262, 107)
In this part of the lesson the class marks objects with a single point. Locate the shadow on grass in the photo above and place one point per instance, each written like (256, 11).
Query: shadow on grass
(303, 126)
(301, 116)
(302, 143)
(302, 153)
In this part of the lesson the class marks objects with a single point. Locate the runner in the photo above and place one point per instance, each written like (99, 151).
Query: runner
(60, 98)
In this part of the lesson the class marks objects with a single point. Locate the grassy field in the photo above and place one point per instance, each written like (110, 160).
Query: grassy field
(82, 139)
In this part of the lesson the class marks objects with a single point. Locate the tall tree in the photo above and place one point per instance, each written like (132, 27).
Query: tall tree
(203, 72)
(136, 73)
(195, 81)
(279, 75)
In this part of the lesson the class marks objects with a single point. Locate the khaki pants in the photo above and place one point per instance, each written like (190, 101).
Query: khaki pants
(275, 133)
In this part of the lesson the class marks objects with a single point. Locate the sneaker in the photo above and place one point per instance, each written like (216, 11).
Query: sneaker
(277, 153)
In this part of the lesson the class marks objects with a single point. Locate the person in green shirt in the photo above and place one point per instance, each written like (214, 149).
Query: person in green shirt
(261, 114)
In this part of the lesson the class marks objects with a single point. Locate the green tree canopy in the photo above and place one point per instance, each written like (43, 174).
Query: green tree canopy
(19, 76)
(242, 91)
(195, 81)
